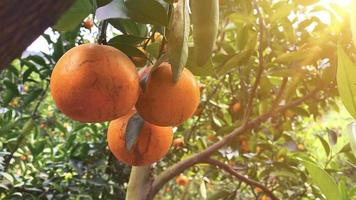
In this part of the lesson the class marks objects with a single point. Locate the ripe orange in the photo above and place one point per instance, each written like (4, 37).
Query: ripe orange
(258, 149)
(289, 114)
(43, 125)
(301, 147)
(178, 143)
(88, 24)
(258, 190)
(24, 157)
(182, 180)
(264, 197)
(94, 83)
(152, 143)
(212, 138)
(244, 146)
(201, 88)
(165, 103)
(236, 107)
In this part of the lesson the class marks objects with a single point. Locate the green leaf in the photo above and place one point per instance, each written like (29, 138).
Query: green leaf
(178, 36)
(31, 96)
(205, 20)
(8, 96)
(148, 12)
(133, 129)
(129, 27)
(219, 195)
(38, 147)
(307, 2)
(281, 12)
(8, 177)
(126, 39)
(128, 49)
(206, 70)
(332, 136)
(353, 20)
(290, 57)
(102, 2)
(323, 180)
(154, 49)
(325, 145)
(346, 81)
(28, 126)
(7, 127)
(74, 16)
(11, 86)
(351, 129)
(234, 62)
(202, 190)
(345, 148)
(70, 140)
(60, 127)
(343, 190)
(284, 173)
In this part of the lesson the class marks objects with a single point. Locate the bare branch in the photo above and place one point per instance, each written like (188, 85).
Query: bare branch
(242, 178)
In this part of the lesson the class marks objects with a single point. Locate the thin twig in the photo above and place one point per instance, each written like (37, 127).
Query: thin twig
(102, 32)
(179, 167)
(249, 105)
(40, 100)
(150, 38)
(242, 178)
(162, 47)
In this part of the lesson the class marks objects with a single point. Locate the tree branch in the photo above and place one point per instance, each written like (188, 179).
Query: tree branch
(242, 178)
(260, 63)
(23, 22)
(179, 167)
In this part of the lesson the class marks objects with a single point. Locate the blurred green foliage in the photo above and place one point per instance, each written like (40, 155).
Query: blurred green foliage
(44, 155)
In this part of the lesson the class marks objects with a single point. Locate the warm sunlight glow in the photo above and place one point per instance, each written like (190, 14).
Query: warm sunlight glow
(342, 3)
(336, 8)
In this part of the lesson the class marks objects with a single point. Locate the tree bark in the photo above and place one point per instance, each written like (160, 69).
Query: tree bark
(139, 183)
(22, 21)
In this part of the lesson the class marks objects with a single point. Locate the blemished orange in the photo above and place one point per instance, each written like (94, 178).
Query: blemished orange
(182, 180)
(94, 83)
(152, 144)
(165, 103)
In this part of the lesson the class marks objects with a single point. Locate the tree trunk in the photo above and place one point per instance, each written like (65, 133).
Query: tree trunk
(139, 183)
(22, 21)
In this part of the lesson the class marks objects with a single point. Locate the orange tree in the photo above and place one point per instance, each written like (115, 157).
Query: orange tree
(265, 68)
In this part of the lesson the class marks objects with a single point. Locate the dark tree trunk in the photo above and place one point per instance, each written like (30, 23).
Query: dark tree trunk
(22, 21)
